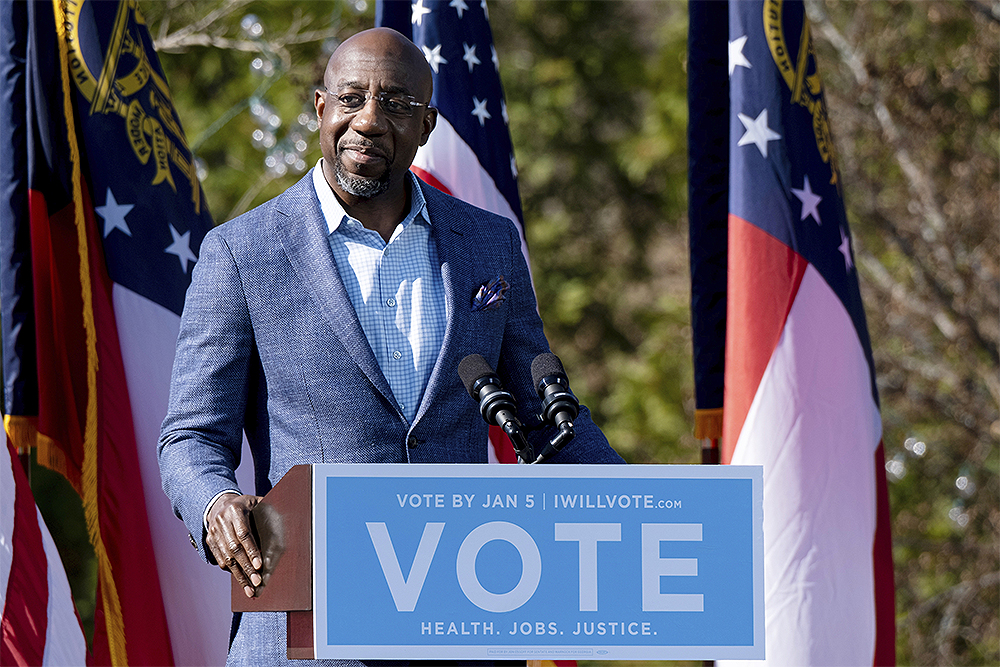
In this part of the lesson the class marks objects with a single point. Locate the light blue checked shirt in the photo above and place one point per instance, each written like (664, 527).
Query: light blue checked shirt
(396, 289)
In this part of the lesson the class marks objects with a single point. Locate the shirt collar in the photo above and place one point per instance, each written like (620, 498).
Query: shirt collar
(334, 213)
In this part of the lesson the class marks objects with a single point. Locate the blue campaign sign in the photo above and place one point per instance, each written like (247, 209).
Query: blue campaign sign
(538, 562)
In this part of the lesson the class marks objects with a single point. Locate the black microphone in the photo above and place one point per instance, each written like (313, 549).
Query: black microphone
(559, 406)
(496, 405)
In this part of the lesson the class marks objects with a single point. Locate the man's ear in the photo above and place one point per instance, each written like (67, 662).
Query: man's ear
(428, 124)
(319, 101)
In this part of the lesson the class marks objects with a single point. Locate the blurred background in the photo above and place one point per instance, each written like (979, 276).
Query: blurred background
(596, 95)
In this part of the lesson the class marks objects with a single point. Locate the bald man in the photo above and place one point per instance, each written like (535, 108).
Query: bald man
(328, 323)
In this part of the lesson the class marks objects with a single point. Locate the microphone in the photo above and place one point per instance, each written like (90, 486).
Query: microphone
(559, 406)
(495, 405)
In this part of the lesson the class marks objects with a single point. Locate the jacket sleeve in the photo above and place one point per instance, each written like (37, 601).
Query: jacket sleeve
(201, 437)
(523, 340)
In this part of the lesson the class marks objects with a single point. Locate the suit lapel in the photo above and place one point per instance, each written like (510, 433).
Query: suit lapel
(302, 231)
(448, 227)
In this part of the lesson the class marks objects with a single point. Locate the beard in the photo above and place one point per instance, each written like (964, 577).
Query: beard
(360, 186)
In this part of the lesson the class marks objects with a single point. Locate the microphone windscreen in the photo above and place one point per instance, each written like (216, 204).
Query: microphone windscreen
(544, 365)
(471, 369)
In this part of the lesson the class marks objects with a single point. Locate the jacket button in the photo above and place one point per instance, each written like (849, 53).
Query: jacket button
(412, 442)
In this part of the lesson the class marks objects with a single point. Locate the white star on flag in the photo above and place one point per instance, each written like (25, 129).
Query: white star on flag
(486, 12)
(181, 247)
(434, 57)
(757, 132)
(513, 166)
(736, 56)
(480, 111)
(495, 58)
(810, 201)
(418, 12)
(470, 56)
(114, 215)
(503, 112)
(845, 250)
(459, 6)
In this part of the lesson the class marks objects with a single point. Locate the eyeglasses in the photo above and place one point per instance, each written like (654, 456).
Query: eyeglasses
(392, 104)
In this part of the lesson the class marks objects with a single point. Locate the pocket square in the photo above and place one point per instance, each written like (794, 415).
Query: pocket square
(490, 295)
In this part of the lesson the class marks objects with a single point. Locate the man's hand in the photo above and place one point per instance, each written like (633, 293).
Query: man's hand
(230, 539)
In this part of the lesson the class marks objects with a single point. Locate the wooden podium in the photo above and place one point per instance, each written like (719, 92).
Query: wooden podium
(283, 526)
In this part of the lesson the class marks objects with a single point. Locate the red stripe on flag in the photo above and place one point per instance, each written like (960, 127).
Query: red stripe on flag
(60, 337)
(764, 276)
(124, 523)
(502, 446)
(25, 611)
(429, 179)
(885, 588)
(62, 361)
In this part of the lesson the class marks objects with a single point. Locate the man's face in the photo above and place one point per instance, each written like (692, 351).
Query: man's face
(367, 151)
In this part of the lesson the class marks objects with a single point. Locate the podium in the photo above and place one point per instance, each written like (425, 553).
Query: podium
(490, 562)
(283, 529)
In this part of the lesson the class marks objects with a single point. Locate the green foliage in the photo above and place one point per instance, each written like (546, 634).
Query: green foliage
(62, 510)
(600, 139)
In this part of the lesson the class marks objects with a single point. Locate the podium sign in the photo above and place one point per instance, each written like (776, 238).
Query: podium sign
(450, 561)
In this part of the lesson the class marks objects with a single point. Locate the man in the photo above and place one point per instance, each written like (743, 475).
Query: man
(328, 323)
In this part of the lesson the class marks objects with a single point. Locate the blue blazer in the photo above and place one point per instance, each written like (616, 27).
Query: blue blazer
(270, 345)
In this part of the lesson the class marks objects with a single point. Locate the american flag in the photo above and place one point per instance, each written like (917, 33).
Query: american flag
(469, 154)
(40, 625)
(800, 393)
(101, 219)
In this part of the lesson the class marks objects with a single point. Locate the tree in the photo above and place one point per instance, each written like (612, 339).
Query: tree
(912, 89)
(596, 96)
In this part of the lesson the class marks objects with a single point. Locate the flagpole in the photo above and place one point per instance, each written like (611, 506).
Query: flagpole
(710, 451)
(708, 188)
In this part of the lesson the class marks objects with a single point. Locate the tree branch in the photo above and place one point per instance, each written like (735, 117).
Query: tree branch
(947, 284)
(166, 42)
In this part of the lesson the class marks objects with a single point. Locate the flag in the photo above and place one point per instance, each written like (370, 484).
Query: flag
(800, 395)
(469, 154)
(39, 623)
(101, 218)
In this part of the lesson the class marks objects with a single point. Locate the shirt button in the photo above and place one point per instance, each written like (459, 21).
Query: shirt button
(411, 442)
(390, 302)
(397, 355)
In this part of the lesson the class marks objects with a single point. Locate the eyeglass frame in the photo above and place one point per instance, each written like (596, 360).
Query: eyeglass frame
(380, 98)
